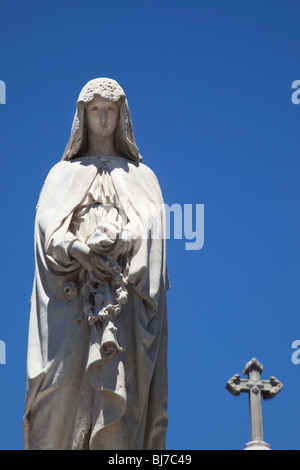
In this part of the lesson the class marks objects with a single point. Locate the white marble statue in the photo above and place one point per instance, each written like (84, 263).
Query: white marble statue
(97, 346)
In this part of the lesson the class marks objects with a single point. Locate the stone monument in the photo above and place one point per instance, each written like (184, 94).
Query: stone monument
(97, 344)
(257, 389)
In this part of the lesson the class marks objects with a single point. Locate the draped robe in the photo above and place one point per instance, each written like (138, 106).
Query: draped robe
(80, 395)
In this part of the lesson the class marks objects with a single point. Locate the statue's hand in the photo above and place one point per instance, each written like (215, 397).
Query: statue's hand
(103, 237)
(81, 252)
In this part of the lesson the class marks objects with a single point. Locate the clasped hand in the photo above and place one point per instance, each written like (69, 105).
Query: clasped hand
(87, 258)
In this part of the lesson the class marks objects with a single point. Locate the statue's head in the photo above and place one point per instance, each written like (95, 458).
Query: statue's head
(107, 95)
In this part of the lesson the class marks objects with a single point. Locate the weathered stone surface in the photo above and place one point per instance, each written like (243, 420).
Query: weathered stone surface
(97, 348)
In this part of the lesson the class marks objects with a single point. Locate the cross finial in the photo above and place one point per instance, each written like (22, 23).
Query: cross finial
(256, 388)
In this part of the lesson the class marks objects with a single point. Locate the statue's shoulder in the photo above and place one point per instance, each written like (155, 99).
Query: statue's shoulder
(57, 169)
(65, 169)
(142, 168)
(62, 166)
(148, 172)
(147, 179)
(58, 177)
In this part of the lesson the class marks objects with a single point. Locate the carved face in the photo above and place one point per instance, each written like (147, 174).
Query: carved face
(102, 117)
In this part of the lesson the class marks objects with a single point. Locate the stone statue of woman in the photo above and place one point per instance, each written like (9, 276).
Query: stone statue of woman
(97, 345)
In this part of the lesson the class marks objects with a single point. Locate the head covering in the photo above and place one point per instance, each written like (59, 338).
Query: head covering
(110, 90)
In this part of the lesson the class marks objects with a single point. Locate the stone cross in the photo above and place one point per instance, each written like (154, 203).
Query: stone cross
(257, 389)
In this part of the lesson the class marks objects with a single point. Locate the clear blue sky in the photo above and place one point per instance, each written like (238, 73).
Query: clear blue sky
(209, 88)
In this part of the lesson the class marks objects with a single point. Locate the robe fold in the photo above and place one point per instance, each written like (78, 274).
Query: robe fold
(80, 395)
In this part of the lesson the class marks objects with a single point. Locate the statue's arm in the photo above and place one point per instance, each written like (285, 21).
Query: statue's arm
(63, 190)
